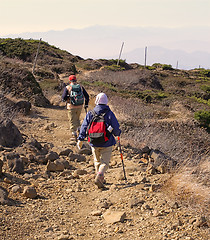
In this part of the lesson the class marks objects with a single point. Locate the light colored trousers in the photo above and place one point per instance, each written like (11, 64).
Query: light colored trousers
(74, 115)
(102, 156)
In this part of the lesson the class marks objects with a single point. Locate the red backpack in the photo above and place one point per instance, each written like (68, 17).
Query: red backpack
(97, 130)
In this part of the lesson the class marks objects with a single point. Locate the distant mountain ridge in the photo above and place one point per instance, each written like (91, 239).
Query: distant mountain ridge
(189, 46)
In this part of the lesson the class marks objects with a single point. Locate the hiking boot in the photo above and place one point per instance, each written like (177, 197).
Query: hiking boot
(74, 136)
(99, 179)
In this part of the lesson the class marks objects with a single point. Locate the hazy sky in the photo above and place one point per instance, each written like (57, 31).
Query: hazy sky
(19, 16)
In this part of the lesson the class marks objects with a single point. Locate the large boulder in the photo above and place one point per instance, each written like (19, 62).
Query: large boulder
(10, 136)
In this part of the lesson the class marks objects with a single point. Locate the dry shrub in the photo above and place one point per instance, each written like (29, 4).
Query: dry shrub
(7, 107)
(185, 186)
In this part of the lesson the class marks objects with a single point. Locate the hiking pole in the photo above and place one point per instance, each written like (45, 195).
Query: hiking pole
(122, 158)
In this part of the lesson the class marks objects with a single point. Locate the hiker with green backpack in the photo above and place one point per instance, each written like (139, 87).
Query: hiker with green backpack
(75, 97)
(100, 126)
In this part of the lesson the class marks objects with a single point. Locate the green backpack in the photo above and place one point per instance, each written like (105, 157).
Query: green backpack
(76, 95)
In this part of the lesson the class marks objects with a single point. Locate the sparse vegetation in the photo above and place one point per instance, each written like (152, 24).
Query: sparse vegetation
(205, 88)
(201, 100)
(204, 119)
(160, 66)
(115, 68)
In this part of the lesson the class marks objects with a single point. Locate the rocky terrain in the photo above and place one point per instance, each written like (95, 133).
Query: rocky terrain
(60, 201)
(47, 186)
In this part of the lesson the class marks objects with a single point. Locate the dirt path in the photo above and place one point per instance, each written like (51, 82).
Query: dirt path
(69, 206)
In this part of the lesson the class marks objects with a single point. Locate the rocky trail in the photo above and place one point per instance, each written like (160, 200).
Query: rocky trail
(55, 197)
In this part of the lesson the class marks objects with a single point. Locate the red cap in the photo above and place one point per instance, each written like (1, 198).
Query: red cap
(72, 78)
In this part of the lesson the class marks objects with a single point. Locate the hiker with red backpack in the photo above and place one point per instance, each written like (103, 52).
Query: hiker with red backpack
(100, 126)
(75, 96)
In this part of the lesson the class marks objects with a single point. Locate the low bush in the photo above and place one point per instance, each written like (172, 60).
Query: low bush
(167, 67)
(201, 100)
(115, 68)
(205, 88)
(159, 65)
(203, 118)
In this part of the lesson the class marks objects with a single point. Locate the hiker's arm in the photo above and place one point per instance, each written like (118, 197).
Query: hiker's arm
(115, 125)
(64, 95)
(84, 126)
(86, 96)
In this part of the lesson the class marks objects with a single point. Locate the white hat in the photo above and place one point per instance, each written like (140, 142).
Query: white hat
(101, 98)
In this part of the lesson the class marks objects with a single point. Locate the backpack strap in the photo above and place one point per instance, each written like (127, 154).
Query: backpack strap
(68, 87)
(94, 115)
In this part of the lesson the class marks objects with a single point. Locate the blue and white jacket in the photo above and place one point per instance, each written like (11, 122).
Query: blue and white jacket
(109, 118)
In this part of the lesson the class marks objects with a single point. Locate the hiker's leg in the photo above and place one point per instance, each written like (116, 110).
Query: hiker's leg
(74, 118)
(106, 153)
(71, 119)
(96, 157)
(72, 123)
(101, 161)
(77, 117)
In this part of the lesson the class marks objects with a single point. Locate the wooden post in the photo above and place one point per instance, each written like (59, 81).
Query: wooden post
(145, 58)
(120, 54)
(36, 56)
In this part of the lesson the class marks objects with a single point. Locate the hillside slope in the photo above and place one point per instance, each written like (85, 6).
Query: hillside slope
(165, 149)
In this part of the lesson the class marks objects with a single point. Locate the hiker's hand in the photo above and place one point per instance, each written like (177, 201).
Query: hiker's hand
(79, 144)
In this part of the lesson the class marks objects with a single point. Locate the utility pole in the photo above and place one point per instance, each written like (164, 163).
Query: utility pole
(177, 63)
(36, 56)
(120, 54)
(145, 58)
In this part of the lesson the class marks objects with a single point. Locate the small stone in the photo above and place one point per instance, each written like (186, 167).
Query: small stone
(80, 172)
(120, 176)
(145, 207)
(65, 152)
(64, 237)
(96, 213)
(114, 217)
(150, 170)
(75, 175)
(52, 156)
(135, 202)
(7, 180)
(175, 205)
(114, 187)
(118, 230)
(144, 160)
(162, 169)
(142, 179)
(16, 188)
(51, 166)
(154, 187)
(201, 222)
(29, 192)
